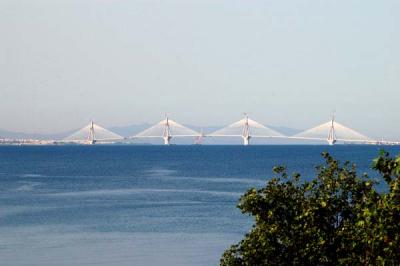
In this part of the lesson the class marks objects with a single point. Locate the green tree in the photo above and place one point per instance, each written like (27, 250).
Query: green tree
(338, 218)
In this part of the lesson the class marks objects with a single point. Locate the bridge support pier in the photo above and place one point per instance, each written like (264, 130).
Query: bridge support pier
(167, 140)
(246, 140)
(331, 141)
(167, 132)
(92, 136)
(246, 131)
(332, 134)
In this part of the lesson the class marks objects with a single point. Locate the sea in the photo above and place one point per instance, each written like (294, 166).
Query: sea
(140, 205)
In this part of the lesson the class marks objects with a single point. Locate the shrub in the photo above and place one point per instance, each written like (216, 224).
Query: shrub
(338, 218)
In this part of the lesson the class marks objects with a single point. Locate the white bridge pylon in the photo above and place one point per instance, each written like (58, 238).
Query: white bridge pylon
(246, 128)
(167, 129)
(91, 134)
(332, 132)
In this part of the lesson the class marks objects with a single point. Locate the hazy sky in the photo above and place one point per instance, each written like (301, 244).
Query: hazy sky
(287, 63)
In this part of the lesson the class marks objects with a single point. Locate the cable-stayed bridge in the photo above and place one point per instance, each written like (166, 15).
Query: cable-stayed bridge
(167, 129)
(246, 129)
(332, 132)
(91, 134)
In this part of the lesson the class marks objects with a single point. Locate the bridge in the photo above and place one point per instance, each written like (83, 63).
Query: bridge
(91, 134)
(246, 129)
(332, 132)
(167, 129)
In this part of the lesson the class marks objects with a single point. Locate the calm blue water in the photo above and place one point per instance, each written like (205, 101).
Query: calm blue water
(137, 205)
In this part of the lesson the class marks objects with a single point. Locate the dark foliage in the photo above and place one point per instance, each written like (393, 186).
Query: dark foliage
(338, 218)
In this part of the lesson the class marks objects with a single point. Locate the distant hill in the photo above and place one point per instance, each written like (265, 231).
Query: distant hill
(134, 129)
(22, 135)
(131, 130)
(286, 130)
